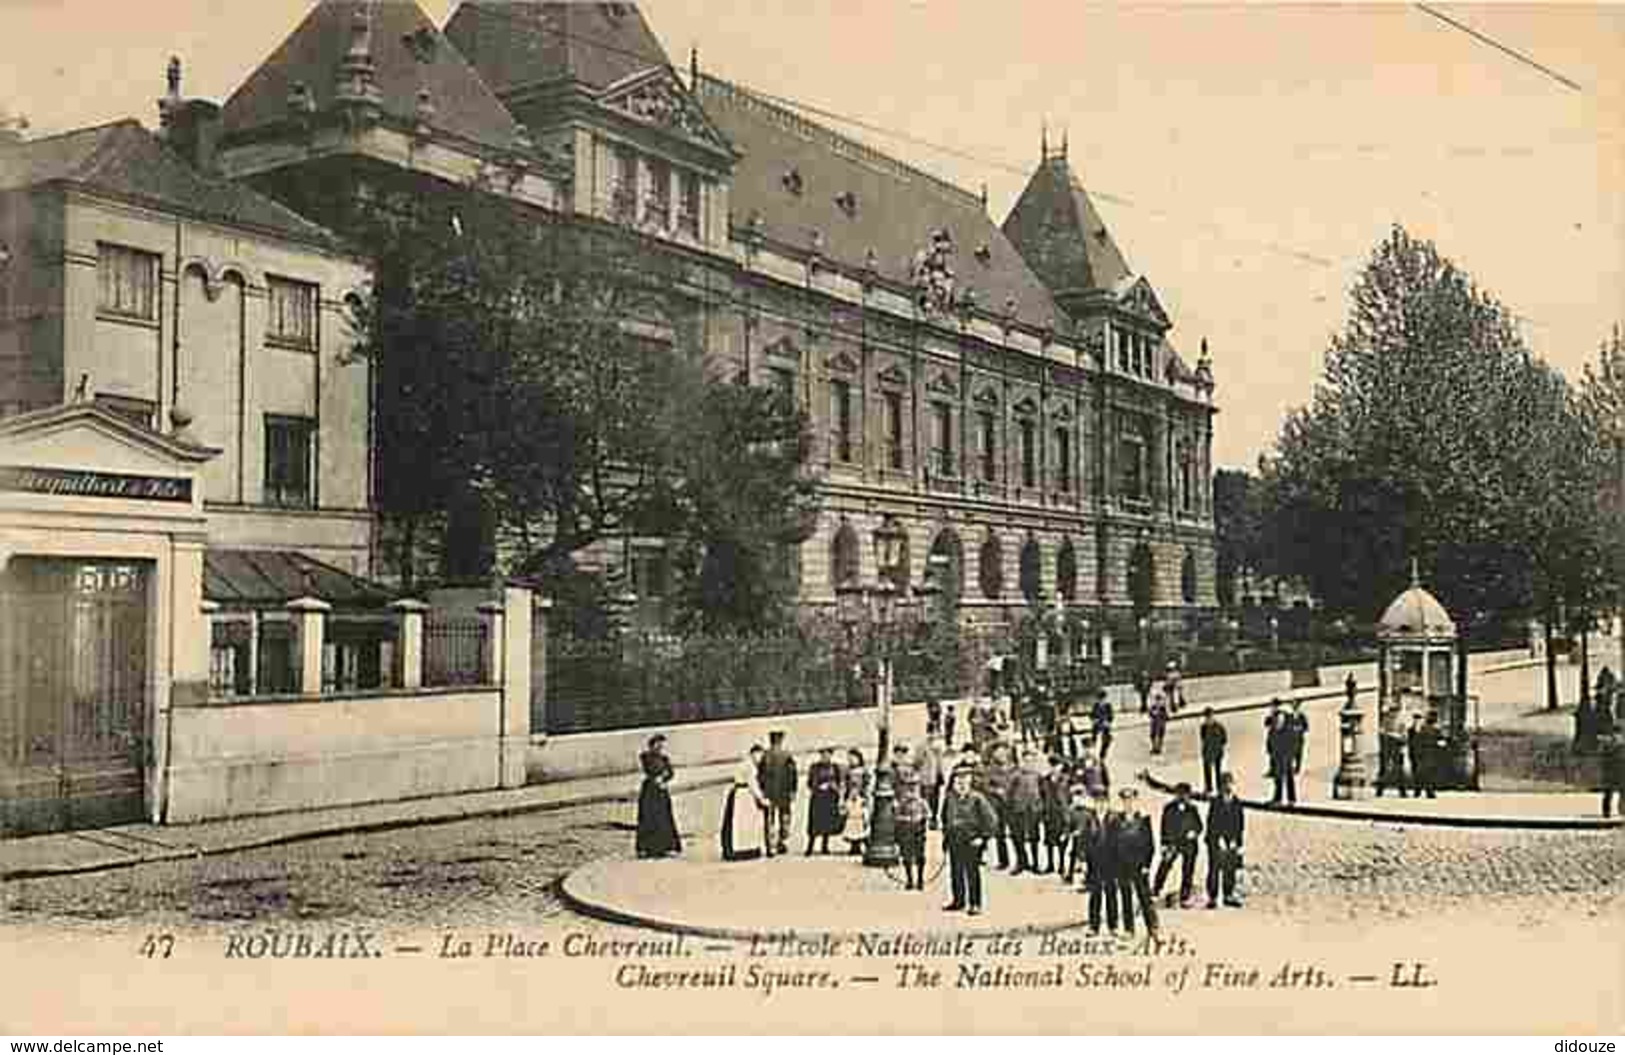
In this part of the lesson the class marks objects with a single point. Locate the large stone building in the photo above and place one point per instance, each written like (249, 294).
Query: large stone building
(1007, 395)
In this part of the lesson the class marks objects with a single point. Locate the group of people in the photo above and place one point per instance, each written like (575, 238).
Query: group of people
(1410, 758)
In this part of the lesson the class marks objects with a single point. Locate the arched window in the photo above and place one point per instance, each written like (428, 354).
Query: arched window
(845, 566)
(952, 577)
(1142, 575)
(1187, 578)
(1066, 571)
(1031, 570)
(991, 571)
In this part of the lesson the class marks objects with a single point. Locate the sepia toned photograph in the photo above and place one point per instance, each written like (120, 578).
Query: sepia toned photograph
(916, 517)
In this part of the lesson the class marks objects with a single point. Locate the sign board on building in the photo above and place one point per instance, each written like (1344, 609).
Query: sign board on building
(83, 483)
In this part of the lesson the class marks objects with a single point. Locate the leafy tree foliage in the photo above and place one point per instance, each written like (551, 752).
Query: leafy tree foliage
(542, 382)
(1434, 434)
(1238, 521)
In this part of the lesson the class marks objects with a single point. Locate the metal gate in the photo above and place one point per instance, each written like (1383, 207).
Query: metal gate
(74, 641)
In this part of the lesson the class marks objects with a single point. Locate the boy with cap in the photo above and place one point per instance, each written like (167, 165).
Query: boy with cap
(1100, 875)
(778, 783)
(1057, 824)
(968, 822)
(1026, 810)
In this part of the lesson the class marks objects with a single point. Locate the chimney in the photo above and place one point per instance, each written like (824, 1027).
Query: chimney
(191, 127)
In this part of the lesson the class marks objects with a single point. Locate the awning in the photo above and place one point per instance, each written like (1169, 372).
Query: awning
(261, 578)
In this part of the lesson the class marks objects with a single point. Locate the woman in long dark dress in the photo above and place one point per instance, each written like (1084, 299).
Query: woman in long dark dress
(824, 803)
(657, 828)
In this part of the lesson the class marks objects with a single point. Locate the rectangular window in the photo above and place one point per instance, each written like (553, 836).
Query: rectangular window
(987, 445)
(784, 381)
(624, 194)
(1132, 452)
(291, 312)
(942, 442)
(1029, 455)
(1123, 354)
(1063, 460)
(650, 573)
(894, 429)
(688, 214)
(128, 281)
(659, 209)
(288, 456)
(840, 416)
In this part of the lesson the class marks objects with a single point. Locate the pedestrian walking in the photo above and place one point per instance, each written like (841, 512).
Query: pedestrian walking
(1279, 744)
(657, 828)
(1181, 834)
(996, 779)
(823, 801)
(1142, 687)
(1226, 828)
(1173, 684)
(950, 719)
(1214, 738)
(1026, 810)
(778, 779)
(855, 785)
(1080, 816)
(1135, 847)
(1101, 717)
(968, 822)
(1297, 724)
(982, 721)
(1420, 743)
(1057, 824)
(1101, 878)
(1272, 722)
(1159, 718)
(744, 813)
(911, 812)
(1612, 748)
(933, 716)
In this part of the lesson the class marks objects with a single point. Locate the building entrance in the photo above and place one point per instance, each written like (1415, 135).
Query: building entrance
(75, 641)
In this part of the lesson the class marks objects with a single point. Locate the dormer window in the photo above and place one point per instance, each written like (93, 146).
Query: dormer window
(848, 202)
(793, 181)
(984, 255)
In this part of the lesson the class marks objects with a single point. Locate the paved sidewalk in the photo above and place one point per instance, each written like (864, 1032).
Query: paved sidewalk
(103, 849)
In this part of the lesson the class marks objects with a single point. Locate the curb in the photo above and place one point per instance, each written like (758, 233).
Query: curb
(354, 828)
(597, 910)
(1418, 819)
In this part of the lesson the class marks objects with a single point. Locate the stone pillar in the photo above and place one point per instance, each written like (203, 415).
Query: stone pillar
(514, 625)
(310, 619)
(1105, 647)
(409, 643)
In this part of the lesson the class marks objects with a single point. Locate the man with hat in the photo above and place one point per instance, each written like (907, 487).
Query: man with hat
(1101, 715)
(778, 783)
(1214, 738)
(1181, 830)
(1100, 846)
(1134, 846)
(968, 822)
(1226, 826)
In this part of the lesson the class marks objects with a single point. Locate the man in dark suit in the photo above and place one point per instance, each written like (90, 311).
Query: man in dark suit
(1181, 832)
(1226, 827)
(1297, 724)
(1419, 744)
(1278, 741)
(1133, 848)
(778, 781)
(1214, 739)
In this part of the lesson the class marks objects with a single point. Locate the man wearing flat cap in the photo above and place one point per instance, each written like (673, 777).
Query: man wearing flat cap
(778, 783)
(1134, 847)
(968, 822)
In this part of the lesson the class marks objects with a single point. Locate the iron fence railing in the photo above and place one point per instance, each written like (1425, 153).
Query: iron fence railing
(455, 652)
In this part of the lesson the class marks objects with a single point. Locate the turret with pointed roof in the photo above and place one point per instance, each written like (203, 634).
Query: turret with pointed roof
(358, 54)
(518, 45)
(1058, 231)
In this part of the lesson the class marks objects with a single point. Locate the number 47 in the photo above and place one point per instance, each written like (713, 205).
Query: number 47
(159, 946)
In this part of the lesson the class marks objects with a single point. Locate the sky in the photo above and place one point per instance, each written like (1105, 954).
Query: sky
(1247, 158)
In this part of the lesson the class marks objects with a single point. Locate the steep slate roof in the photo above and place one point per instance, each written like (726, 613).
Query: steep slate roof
(897, 207)
(313, 52)
(1060, 234)
(517, 43)
(125, 160)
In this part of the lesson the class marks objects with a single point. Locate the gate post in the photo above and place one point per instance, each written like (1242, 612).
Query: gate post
(515, 679)
(310, 616)
(409, 647)
(542, 607)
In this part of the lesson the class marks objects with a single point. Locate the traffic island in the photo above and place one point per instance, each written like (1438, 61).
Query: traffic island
(831, 895)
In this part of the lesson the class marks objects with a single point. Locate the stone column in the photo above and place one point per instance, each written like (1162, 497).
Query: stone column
(538, 666)
(514, 625)
(310, 618)
(409, 643)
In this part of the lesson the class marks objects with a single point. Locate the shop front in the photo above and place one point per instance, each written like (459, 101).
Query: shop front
(102, 628)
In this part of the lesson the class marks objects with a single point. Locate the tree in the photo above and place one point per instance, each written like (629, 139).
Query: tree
(1238, 521)
(1434, 434)
(541, 380)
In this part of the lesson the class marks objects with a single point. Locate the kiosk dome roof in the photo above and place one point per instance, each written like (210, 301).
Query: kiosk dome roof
(1416, 613)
